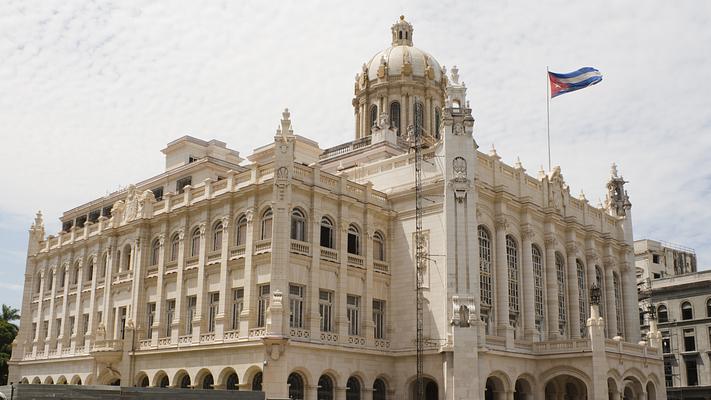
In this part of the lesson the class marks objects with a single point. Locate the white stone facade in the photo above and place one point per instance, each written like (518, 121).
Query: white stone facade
(294, 272)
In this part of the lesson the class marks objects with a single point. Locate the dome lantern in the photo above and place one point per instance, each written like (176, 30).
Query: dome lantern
(402, 32)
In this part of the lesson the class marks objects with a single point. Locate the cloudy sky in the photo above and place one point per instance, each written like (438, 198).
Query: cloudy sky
(91, 91)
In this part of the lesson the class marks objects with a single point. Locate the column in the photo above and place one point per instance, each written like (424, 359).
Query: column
(179, 287)
(200, 304)
(248, 318)
(225, 284)
(610, 299)
(314, 320)
(40, 311)
(160, 291)
(64, 336)
(79, 299)
(551, 288)
(89, 328)
(367, 251)
(529, 312)
(573, 292)
(630, 302)
(52, 316)
(342, 293)
(107, 287)
(138, 300)
(502, 278)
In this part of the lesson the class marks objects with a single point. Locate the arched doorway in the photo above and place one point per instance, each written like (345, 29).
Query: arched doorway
(430, 386)
(232, 382)
(208, 382)
(185, 381)
(161, 380)
(325, 388)
(523, 390)
(495, 389)
(115, 382)
(651, 391)
(633, 388)
(566, 387)
(257, 382)
(142, 381)
(353, 389)
(380, 390)
(296, 386)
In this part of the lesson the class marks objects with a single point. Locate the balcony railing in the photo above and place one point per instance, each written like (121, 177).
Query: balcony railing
(561, 346)
(263, 246)
(164, 341)
(355, 260)
(329, 337)
(257, 332)
(300, 247)
(329, 254)
(381, 266)
(299, 333)
(356, 340)
(144, 344)
(231, 335)
(185, 339)
(237, 252)
(207, 337)
(382, 343)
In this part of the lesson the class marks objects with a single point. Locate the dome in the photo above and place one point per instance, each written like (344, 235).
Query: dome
(403, 56)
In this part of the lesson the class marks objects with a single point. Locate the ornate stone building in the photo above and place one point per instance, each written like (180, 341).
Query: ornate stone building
(293, 272)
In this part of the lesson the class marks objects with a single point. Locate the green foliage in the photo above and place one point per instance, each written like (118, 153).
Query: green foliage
(8, 331)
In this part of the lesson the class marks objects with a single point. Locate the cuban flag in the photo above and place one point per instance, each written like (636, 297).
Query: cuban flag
(566, 83)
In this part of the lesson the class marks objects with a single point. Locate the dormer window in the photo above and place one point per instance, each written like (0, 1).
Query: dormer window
(192, 159)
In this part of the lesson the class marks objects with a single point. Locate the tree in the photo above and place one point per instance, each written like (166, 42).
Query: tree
(8, 331)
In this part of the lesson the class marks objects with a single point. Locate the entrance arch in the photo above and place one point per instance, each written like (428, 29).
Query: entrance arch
(296, 386)
(523, 390)
(495, 388)
(431, 389)
(566, 387)
(325, 388)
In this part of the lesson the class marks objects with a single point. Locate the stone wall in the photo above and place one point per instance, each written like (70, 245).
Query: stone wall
(76, 392)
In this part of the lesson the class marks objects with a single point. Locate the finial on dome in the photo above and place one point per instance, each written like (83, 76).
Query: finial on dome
(402, 32)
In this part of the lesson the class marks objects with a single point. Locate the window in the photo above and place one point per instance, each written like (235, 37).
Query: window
(71, 322)
(708, 308)
(80, 221)
(599, 283)
(689, 340)
(181, 183)
(106, 211)
(257, 382)
(353, 314)
(618, 303)
(583, 294)
(150, 319)
(75, 274)
(155, 252)
(195, 243)
(214, 305)
(379, 390)
(237, 307)
(45, 329)
(122, 322)
(537, 260)
(373, 116)
(438, 121)
(241, 231)
(57, 327)
(419, 118)
(158, 193)
(62, 276)
(174, 247)
(298, 225)
(94, 215)
(85, 324)
(655, 258)
(692, 375)
(325, 388)
(190, 314)
(395, 116)
(217, 237)
(326, 233)
(378, 246)
(512, 264)
(128, 252)
(262, 305)
(50, 281)
(34, 330)
(353, 389)
(668, 373)
(485, 266)
(325, 310)
(104, 264)
(192, 159)
(296, 306)
(662, 314)
(267, 224)
(666, 342)
(89, 271)
(169, 315)
(562, 308)
(66, 226)
(686, 311)
(353, 239)
(232, 382)
(296, 386)
(379, 318)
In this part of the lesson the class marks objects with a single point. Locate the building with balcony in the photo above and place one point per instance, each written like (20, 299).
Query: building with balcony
(682, 305)
(292, 272)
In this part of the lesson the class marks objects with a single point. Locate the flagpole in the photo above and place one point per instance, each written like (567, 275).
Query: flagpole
(548, 116)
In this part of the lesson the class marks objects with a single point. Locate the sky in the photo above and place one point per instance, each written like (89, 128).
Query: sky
(91, 91)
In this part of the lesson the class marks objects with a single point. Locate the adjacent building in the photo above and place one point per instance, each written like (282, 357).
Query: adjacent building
(292, 272)
(654, 259)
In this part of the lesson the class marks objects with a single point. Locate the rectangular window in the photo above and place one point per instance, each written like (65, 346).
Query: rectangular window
(668, 373)
(94, 215)
(190, 314)
(150, 319)
(353, 314)
(169, 315)
(85, 324)
(262, 305)
(296, 306)
(122, 322)
(212, 312)
(237, 306)
(181, 183)
(81, 221)
(689, 340)
(379, 318)
(34, 330)
(71, 325)
(100, 316)
(58, 327)
(692, 375)
(666, 342)
(655, 258)
(45, 329)
(325, 310)
(158, 193)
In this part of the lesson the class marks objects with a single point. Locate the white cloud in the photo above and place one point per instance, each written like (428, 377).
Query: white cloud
(92, 91)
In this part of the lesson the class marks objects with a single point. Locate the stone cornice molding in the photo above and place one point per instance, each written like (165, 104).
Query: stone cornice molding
(608, 262)
(591, 256)
(572, 248)
(501, 223)
(527, 233)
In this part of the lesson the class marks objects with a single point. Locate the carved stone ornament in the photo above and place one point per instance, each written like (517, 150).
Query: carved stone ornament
(181, 234)
(463, 308)
(501, 223)
(459, 129)
(528, 233)
(225, 221)
(459, 166)
(131, 204)
(249, 215)
(571, 247)
(551, 241)
(161, 239)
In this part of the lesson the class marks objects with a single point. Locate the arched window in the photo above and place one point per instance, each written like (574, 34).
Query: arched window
(325, 388)
(185, 382)
(380, 391)
(326, 233)
(537, 260)
(378, 246)
(62, 278)
(618, 303)
(485, 266)
(208, 382)
(155, 252)
(195, 243)
(373, 116)
(298, 225)
(687, 312)
(267, 224)
(174, 247)
(562, 306)
(232, 382)
(163, 381)
(353, 389)
(241, 231)
(89, 272)
(708, 308)
(583, 294)
(600, 284)
(353, 239)
(38, 282)
(75, 274)
(143, 382)
(456, 105)
(395, 116)
(512, 264)
(257, 382)
(438, 121)
(50, 281)
(662, 313)
(296, 386)
(117, 264)
(419, 118)
(217, 236)
(127, 259)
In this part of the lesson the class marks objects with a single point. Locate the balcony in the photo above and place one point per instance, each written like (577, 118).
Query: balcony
(185, 340)
(263, 246)
(299, 247)
(257, 332)
(107, 351)
(329, 254)
(562, 346)
(214, 257)
(329, 337)
(237, 252)
(164, 342)
(381, 266)
(207, 337)
(299, 333)
(144, 344)
(123, 276)
(231, 336)
(355, 261)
